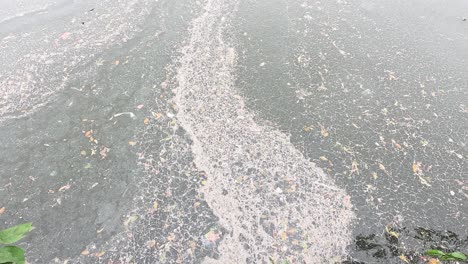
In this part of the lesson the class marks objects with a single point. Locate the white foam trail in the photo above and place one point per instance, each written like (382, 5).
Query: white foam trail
(272, 201)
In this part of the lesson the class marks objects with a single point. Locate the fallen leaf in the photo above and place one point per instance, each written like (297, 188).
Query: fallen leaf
(88, 133)
(323, 131)
(100, 254)
(103, 152)
(212, 236)
(157, 115)
(323, 158)
(65, 35)
(424, 181)
(417, 168)
(197, 204)
(140, 106)
(83, 153)
(130, 220)
(2, 210)
(132, 143)
(64, 188)
(403, 258)
(155, 205)
(433, 261)
(391, 232)
(116, 62)
(85, 252)
(382, 167)
(151, 243)
(146, 121)
(283, 235)
(88, 166)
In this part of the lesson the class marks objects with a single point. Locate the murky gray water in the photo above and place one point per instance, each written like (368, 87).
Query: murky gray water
(234, 131)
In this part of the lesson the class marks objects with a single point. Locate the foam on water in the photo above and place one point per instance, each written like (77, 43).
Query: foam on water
(271, 200)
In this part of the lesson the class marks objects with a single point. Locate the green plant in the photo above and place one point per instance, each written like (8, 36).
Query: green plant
(13, 254)
(446, 256)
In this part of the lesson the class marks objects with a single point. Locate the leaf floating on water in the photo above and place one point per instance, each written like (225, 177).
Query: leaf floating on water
(103, 152)
(433, 261)
(130, 220)
(417, 168)
(151, 243)
(424, 181)
(212, 236)
(324, 132)
(391, 232)
(64, 188)
(403, 258)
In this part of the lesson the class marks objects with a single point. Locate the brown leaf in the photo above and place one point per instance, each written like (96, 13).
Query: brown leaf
(88, 133)
(116, 62)
(433, 261)
(151, 243)
(146, 121)
(99, 254)
(2, 210)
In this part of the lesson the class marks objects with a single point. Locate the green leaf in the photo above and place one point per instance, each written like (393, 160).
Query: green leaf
(434, 253)
(13, 234)
(11, 254)
(458, 255)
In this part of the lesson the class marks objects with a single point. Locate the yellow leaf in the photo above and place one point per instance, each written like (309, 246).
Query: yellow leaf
(85, 252)
(100, 254)
(83, 152)
(203, 182)
(403, 258)
(146, 121)
(157, 115)
(283, 235)
(155, 205)
(132, 143)
(323, 131)
(433, 261)
(130, 220)
(323, 158)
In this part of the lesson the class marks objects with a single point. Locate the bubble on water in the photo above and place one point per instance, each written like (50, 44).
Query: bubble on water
(272, 201)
